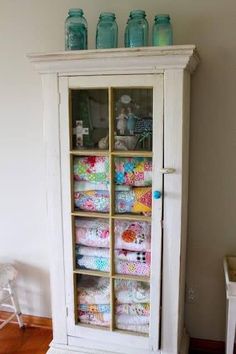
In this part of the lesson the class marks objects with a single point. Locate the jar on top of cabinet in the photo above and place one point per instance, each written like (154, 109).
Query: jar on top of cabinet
(136, 31)
(76, 30)
(162, 33)
(107, 31)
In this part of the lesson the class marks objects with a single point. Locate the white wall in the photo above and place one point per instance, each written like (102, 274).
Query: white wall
(36, 26)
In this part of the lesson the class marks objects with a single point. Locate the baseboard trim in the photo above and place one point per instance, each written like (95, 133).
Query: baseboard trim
(30, 321)
(207, 346)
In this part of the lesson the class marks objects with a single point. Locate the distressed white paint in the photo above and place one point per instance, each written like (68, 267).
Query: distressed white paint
(179, 63)
(230, 284)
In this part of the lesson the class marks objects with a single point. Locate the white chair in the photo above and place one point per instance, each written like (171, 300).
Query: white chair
(8, 298)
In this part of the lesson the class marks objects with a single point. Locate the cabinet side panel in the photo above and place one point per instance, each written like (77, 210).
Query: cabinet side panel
(185, 184)
(172, 232)
(54, 205)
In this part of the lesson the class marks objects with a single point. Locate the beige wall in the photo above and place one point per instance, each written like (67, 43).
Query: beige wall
(35, 26)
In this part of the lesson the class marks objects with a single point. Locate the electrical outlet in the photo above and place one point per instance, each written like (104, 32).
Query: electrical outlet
(191, 295)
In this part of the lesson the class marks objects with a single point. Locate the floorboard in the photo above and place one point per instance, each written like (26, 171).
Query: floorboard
(31, 340)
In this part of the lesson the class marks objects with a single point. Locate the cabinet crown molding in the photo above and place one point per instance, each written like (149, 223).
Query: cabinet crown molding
(117, 61)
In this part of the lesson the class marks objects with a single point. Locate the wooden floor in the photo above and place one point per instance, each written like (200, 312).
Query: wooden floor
(35, 340)
(31, 340)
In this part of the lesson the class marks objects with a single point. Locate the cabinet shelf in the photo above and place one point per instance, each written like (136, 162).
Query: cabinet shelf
(108, 275)
(88, 214)
(135, 217)
(89, 152)
(130, 277)
(94, 273)
(132, 153)
(128, 153)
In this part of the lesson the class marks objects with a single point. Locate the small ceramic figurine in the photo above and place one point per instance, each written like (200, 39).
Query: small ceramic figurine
(122, 122)
(103, 143)
(131, 121)
(120, 145)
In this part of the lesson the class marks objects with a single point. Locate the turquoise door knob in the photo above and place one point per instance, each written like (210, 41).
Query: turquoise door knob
(156, 195)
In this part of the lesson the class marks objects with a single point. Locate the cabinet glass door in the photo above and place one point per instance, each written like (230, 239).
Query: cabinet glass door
(115, 150)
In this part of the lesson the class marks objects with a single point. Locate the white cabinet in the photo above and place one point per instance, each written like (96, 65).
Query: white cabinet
(116, 139)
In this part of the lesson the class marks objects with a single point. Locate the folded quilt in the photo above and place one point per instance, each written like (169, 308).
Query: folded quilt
(95, 237)
(93, 200)
(94, 308)
(133, 268)
(129, 235)
(93, 290)
(132, 319)
(96, 319)
(130, 291)
(138, 200)
(132, 171)
(91, 169)
(102, 264)
(82, 186)
(141, 309)
(135, 328)
(133, 235)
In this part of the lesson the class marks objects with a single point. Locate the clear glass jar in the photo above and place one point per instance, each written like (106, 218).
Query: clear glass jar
(76, 29)
(162, 33)
(107, 31)
(136, 31)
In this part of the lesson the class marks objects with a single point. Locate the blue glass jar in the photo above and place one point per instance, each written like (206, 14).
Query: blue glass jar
(136, 31)
(76, 29)
(107, 31)
(162, 33)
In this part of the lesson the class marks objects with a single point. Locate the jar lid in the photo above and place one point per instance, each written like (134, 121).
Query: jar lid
(137, 13)
(76, 11)
(162, 17)
(107, 14)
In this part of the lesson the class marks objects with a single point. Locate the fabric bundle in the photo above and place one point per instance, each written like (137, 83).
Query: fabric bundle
(132, 246)
(132, 303)
(133, 179)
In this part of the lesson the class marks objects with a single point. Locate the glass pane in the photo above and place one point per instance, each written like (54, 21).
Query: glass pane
(91, 183)
(133, 185)
(133, 118)
(92, 242)
(132, 305)
(93, 300)
(89, 118)
(132, 247)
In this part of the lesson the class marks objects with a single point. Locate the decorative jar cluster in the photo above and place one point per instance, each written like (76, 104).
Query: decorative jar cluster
(136, 30)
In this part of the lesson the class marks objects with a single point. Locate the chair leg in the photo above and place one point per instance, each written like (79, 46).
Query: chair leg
(16, 305)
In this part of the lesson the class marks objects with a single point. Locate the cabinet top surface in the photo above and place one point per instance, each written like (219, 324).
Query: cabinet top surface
(143, 59)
